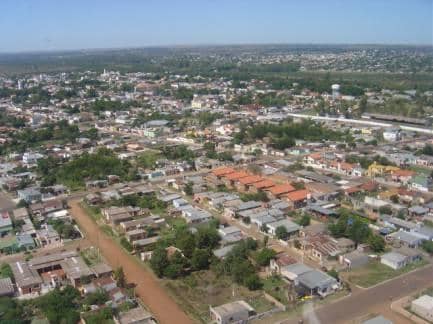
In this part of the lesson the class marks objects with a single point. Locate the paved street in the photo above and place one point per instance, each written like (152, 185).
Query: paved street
(374, 300)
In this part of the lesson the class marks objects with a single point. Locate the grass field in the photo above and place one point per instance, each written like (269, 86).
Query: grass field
(276, 287)
(196, 292)
(377, 272)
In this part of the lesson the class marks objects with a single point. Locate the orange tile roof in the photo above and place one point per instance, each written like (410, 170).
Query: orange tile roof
(250, 179)
(266, 183)
(297, 195)
(222, 171)
(403, 173)
(315, 156)
(343, 165)
(352, 190)
(281, 189)
(237, 175)
(369, 186)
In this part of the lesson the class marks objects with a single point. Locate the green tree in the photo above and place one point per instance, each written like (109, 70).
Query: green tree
(376, 243)
(188, 189)
(253, 282)
(281, 233)
(60, 306)
(305, 220)
(185, 241)
(159, 261)
(207, 238)
(176, 266)
(427, 246)
(264, 256)
(119, 276)
(6, 271)
(200, 259)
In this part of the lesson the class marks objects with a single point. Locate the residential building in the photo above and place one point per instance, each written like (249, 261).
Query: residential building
(234, 312)
(423, 307)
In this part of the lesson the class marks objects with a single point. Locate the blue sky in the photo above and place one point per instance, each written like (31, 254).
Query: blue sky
(75, 24)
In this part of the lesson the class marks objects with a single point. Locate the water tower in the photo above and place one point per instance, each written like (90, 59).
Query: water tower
(335, 91)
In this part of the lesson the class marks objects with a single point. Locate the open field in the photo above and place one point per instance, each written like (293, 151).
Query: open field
(375, 273)
(202, 289)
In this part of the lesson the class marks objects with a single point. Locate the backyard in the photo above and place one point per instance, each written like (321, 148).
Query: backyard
(196, 292)
(376, 272)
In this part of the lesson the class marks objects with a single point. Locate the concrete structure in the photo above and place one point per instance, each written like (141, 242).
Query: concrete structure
(235, 312)
(423, 307)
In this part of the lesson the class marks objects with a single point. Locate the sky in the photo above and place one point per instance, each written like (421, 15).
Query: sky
(41, 25)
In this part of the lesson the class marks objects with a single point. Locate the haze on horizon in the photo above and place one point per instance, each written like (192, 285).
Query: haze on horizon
(49, 25)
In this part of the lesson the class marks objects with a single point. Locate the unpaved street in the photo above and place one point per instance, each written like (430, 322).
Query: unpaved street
(148, 289)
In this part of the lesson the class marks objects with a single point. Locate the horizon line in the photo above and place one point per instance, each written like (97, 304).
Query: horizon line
(186, 45)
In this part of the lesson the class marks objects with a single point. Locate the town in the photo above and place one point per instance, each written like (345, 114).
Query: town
(221, 185)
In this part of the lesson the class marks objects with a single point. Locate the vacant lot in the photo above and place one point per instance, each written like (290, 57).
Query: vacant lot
(376, 272)
(202, 289)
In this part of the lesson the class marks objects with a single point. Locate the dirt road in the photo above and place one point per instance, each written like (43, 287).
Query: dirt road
(148, 289)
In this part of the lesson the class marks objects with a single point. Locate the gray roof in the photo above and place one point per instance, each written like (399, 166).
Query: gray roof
(394, 257)
(24, 275)
(6, 287)
(229, 309)
(135, 315)
(314, 278)
(407, 237)
(321, 210)
(418, 210)
(288, 224)
(222, 252)
(249, 205)
(297, 268)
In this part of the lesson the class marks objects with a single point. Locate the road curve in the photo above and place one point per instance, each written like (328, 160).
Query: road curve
(148, 288)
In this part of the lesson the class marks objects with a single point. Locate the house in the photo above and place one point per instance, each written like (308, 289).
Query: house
(398, 259)
(280, 261)
(309, 280)
(145, 243)
(244, 184)
(402, 176)
(392, 134)
(29, 195)
(6, 287)
(5, 223)
(137, 315)
(27, 279)
(221, 253)
(421, 183)
(425, 232)
(291, 227)
(318, 282)
(279, 191)
(261, 185)
(234, 312)
(230, 234)
(102, 270)
(408, 239)
(20, 213)
(47, 236)
(116, 215)
(298, 199)
(321, 212)
(423, 307)
(194, 215)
